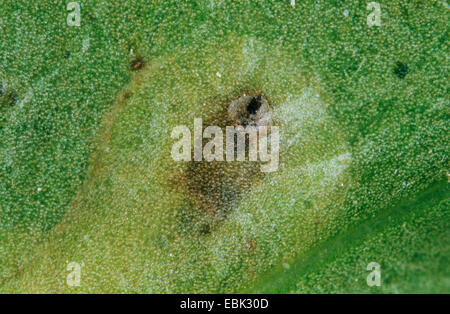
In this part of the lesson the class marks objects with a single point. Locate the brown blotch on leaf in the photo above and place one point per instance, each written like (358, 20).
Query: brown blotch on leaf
(7, 98)
(213, 188)
(251, 245)
(125, 96)
(137, 64)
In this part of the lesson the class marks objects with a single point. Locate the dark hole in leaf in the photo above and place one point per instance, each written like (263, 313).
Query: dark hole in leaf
(254, 105)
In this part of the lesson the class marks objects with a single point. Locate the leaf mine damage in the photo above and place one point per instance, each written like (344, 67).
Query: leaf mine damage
(214, 188)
